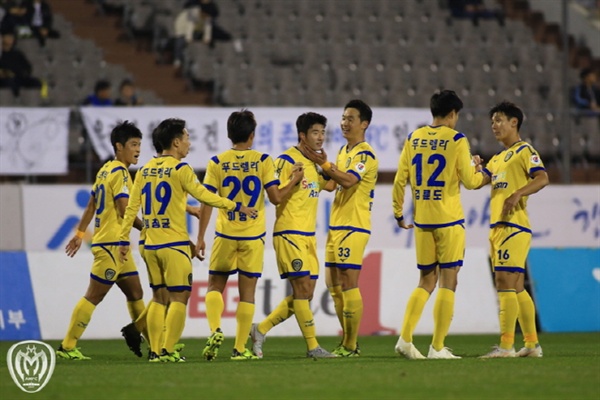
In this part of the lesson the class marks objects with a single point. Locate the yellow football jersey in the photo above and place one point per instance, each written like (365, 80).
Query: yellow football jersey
(241, 176)
(351, 207)
(510, 170)
(297, 213)
(434, 160)
(160, 189)
(113, 181)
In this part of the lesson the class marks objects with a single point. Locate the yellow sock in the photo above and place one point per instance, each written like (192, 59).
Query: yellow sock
(527, 319)
(155, 323)
(214, 309)
(283, 311)
(353, 310)
(509, 310)
(243, 316)
(338, 302)
(174, 323)
(140, 323)
(82, 314)
(306, 322)
(443, 310)
(412, 315)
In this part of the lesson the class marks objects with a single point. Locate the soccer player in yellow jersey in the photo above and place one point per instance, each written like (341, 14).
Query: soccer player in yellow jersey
(515, 173)
(435, 159)
(161, 188)
(131, 332)
(355, 172)
(241, 174)
(294, 238)
(107, 204)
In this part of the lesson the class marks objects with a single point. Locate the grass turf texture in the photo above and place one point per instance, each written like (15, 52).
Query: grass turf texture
(570, 369)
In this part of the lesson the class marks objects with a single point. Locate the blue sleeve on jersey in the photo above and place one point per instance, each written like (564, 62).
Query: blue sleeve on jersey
(534, 169)
(459, 136)
(409, 135)
(521, 148)
(400, 218)
(287, 158)
(355, 174)
(211, 188)
(121, 195)
(275, 182)
(264, 157)
(367, 152)
(215, 159)
(487, 172)
(92, 193)
(183, 164)
(115, 169)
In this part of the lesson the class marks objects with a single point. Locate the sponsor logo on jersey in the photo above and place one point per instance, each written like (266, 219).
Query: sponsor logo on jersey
(360, 168)
(535, 159)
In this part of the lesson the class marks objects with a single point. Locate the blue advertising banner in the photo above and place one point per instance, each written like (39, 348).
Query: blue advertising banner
(18, 315)
(566, 285)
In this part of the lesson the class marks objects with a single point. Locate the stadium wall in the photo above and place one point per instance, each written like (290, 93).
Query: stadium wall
(39, 285)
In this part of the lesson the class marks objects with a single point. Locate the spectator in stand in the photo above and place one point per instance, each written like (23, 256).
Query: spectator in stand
(127, 94)
(15, 68)
(101, 96)
(473, 10)
(39, 17)
(197, 21)
(586, 95)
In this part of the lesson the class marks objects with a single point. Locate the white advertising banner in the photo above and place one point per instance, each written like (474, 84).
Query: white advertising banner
(276, 130)
(34, 141)
(387, 280)
(561, 216)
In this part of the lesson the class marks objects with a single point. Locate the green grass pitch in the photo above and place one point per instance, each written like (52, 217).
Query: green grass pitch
(570, 370)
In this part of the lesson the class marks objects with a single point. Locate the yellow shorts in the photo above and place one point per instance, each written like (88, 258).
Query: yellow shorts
(107, 267)
(509, 247)
(443, 247)
(169, 267)
(229, 256)
(296, 255)
(346, 248)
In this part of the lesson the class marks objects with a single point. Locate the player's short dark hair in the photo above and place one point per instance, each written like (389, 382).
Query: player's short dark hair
(444, 102)
(510, 110)
(102, 84)
(155, 143)
(166, 132)
(364, 111)
(306, 120)
(123, 132)
(240, 126)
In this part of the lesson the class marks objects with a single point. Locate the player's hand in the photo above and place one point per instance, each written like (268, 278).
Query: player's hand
(73, 246)
(123, 250)
(200, 248)
(251, 212)
(297, 172)
(402, 224)
(318, 157)
(510, 203)
(193, 211)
